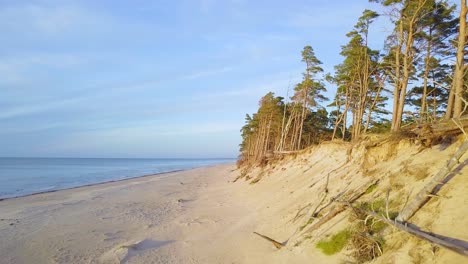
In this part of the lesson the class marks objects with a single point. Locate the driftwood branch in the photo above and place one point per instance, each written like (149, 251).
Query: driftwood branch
(460, 126)
(453, 244)
(332, 200)
(358, 193)
(299, 212)
(332, 213)
(324, 194)
(277, 244)
(341, 207)
(424, 195)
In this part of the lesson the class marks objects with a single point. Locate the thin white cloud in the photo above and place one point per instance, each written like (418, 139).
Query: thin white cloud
(207, 73)
(45, 19)
(16, 69)
(140, 133)
(31, 128)
(68, 20)
(40, 59)
(254, 89)
(36, 108)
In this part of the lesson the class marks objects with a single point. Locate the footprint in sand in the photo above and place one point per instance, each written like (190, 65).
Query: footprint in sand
(98, 197)
(123, 253)
(182, 201)
(198, 221)
(73, 203)
(112, 236)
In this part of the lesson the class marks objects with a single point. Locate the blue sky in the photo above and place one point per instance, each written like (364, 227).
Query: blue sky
(153, 78)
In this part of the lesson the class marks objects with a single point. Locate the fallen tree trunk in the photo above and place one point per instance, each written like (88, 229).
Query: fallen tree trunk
(453, 244)
(358, 193)
(424, 195)
(444, 127)
(332, 213)
(340, 208)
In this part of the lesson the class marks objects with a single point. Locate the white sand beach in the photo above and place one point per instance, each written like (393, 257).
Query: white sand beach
(194, 216)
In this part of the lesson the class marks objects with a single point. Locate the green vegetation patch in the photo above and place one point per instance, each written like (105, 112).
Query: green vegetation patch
(378, 206)
(334, 244)
(375, 206)
(371, 188)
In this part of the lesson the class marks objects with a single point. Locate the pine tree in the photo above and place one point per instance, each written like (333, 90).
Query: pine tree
(359, 80)
(408, 17)
(261, 133)
(306, 96)
(439, 28)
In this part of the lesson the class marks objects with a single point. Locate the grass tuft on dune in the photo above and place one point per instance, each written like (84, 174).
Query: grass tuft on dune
(335, 244)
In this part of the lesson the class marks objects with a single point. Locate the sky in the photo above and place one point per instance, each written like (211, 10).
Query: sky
(156, 79)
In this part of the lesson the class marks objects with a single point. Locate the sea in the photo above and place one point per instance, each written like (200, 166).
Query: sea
(24, 176)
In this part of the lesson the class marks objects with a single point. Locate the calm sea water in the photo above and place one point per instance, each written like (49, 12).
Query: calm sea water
(22, 176)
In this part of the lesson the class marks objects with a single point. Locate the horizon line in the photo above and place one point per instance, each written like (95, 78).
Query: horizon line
(5, 157)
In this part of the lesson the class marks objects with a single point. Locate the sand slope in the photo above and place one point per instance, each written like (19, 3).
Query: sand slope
(293, 187)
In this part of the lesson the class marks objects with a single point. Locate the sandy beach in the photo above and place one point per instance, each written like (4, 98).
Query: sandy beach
(194, 216)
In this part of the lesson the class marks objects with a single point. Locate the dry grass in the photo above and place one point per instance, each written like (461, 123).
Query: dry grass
(260, 175)
(418, 172)
(366, 240)
(365, 247)
(255, 180)
(396, 181)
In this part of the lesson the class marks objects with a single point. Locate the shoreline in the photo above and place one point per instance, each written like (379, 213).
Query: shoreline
(2, 199)
(193, 216)
(173, 218)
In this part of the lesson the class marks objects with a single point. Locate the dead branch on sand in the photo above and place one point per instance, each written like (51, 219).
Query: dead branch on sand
(424, 195)
(358, 193)
(277, 244)
(453, 244)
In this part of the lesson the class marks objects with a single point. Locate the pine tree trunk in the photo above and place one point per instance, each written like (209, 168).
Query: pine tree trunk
(338, 119)
(345, 117)
(451, 100)
(364, 90)
(423, 111)
(407, 64)
(304, 107)
(267, 138)
(374, 103)
(396, 90)
(459, 68)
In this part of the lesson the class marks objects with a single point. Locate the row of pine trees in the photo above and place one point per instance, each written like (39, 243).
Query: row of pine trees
(421, 68)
